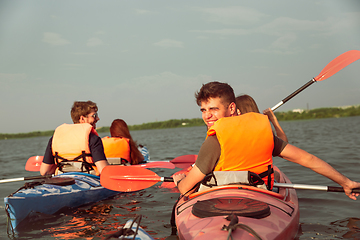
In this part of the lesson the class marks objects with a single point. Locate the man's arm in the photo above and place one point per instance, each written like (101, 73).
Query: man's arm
(189, 181)
(101, 164)
(207, 158)
(97, 152)
(48, 165)
(46, 169)
(314, 163)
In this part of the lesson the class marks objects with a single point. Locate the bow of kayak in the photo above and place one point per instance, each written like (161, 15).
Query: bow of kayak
(131, 230)
(50, 197)
(239, 211)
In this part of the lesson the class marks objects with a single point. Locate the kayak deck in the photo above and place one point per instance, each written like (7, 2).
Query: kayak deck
(50, 199)
(259, 214)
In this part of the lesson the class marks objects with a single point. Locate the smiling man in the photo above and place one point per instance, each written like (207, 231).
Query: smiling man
(245, 143)
(76, 147)
(216, 100)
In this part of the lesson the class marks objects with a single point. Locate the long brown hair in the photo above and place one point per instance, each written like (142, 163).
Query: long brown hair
(246, 104)
(120, 129)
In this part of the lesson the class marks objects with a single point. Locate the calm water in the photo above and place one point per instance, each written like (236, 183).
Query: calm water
(322, 215)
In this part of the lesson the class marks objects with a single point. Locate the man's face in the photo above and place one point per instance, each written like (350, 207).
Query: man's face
(91, 118)
(213, 109)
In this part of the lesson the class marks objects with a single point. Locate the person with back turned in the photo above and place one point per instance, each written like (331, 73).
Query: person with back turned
(76, 147)
(245, 104)
(121, 145)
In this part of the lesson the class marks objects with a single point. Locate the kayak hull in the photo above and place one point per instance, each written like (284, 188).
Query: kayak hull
(50, 199)
(140, 233)
(261, 214)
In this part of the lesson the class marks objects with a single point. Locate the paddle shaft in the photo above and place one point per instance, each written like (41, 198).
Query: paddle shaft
(330, 69)
(166, 179)
(282, 185)
(33, 164)
(294, 186)
(144, 178)
(293, 94)
(24, 179)
(314, 187)
(125, 179)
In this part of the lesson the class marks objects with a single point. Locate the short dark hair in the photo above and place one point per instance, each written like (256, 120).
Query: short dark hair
(82, 109)
(214, 90)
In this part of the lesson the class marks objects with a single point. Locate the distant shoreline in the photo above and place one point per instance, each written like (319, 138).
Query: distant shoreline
(296, 114)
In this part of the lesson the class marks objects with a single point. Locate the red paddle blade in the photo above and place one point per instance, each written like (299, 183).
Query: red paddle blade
(33, 163)
(338, 63)
(127, 178)
(184, 161)
(158, 164)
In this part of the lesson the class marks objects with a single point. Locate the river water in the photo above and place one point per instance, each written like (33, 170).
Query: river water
(322, 215)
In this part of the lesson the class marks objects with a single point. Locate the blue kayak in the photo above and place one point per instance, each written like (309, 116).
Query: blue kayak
(49, 196)
(67, 190)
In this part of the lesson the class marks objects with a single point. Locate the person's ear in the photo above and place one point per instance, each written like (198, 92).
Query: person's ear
(232, 108)
(82, 119)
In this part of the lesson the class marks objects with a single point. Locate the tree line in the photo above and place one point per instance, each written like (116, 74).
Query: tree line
(333, 112)
(178, 123)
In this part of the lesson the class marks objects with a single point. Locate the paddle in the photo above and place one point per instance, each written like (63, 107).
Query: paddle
(184, 161)
(333, 67)
(157, 164)
(24, 178)
(33, 164)
(125, 179)
(314, 187)
(129, 179)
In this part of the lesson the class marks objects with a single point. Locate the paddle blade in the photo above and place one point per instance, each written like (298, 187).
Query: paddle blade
(158, 164)
(184, 161)
(33, 163)
(127, 178)
(338, 63)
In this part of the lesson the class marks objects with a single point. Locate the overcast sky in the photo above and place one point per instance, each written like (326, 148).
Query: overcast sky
(142, 61)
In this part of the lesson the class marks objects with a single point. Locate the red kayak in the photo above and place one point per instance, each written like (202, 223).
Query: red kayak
(239, 212)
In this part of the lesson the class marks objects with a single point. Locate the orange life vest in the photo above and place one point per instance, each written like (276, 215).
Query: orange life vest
(115, 147)
(246, 143)
(70, 144)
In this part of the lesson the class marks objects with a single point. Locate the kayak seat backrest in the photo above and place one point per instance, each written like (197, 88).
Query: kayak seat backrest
(238, 186)
(239, 206)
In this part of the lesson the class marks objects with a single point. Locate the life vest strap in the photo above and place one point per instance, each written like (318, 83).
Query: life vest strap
(242, 177)
(85, 166)
(267, 173)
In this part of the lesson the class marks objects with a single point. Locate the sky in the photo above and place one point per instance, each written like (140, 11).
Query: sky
(143, 60)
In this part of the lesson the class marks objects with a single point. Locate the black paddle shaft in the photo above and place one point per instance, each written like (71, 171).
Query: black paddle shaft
(340, 189)
(299, 90)
(37, 177)
(168, 179)
(293, 94)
